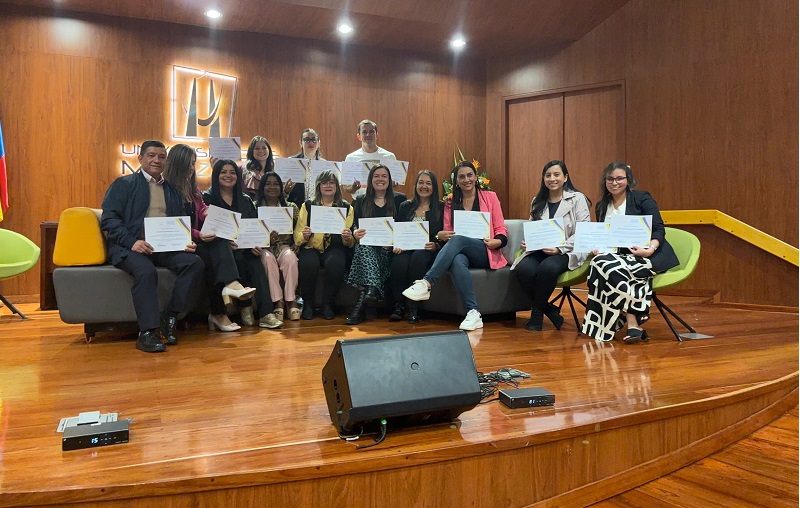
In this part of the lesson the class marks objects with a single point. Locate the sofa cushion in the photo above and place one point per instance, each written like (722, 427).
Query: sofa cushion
(79, 241)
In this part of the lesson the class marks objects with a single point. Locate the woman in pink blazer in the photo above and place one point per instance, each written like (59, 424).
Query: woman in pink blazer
(460, 252)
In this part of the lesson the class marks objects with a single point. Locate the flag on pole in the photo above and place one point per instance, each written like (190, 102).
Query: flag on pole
(3, 179)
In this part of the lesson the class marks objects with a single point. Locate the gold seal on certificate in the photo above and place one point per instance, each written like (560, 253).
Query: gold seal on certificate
(472, 224)
(379, 231)
(221, 222)
(411, 235)
(328, 219)
(544, 234)
(168, 234)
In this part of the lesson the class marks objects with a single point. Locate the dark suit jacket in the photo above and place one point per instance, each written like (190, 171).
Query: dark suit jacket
(124, 208)
(642, 203)
(399, 197)
(406, 214)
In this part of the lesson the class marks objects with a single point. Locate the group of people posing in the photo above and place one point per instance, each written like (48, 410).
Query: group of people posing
(264, 281)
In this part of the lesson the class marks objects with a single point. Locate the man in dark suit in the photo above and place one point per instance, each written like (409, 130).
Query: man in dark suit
(128, 201)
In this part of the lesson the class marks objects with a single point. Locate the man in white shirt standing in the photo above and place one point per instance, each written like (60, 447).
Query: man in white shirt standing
(369, 152)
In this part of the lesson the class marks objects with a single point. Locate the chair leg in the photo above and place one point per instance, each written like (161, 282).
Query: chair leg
(11, 307)
(566, 293)
(661, 306)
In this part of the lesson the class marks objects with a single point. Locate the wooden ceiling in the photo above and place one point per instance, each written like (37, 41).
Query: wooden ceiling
(492, 28)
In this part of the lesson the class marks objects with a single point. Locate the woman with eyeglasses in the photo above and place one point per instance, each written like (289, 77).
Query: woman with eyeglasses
(538, 271)
(299, 192)
(620, 283)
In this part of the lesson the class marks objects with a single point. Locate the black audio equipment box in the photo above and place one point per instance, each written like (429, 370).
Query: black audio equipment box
(527, 397)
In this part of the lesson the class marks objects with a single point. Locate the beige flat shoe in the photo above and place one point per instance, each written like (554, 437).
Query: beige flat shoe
(294, 314)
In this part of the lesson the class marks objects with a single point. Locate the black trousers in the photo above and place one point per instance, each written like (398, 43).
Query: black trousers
(537, 274)
(189, 268)
(334, 260)
(221, 269)
(407, 267)
(254, 275)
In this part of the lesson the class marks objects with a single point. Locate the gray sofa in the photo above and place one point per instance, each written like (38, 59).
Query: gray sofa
(99, 296)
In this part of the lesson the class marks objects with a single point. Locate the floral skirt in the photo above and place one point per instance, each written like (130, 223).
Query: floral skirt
(618, 284)
(370, 267)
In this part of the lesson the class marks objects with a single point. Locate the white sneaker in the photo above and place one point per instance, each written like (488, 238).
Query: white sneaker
(473, 321)
(418, 291)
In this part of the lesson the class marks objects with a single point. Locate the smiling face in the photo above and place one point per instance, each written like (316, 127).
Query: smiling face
(466, 179)
(368, 135)
(261, 152)
(227, 177)
(152, 161)
(554, 178)
(617, 182)
(272, 188)
(381, 180)
(424, 186)
(327, 189)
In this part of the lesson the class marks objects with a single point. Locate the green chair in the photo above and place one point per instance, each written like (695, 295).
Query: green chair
(687, 248)
(565, 281)
(17, 256)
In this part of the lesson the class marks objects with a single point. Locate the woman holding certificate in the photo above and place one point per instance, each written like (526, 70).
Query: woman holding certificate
(372, 258)
(309, 150)
(620, 283)
(538, 270)
(225, 193)
(478, 250)
(412, 264)
(323, 236)
(280, 258)
(222, 275)
(259, 162)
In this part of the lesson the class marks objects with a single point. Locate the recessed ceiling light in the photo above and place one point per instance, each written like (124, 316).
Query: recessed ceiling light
(458, 42)
(344, 28)
(213, 14)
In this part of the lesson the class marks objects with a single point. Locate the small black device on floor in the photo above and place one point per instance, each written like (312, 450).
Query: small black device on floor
(89, 436)
(527, 397)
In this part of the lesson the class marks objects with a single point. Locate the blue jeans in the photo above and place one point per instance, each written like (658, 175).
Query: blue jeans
(457, 255)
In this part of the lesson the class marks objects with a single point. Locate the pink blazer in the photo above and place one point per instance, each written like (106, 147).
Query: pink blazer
(488, 202)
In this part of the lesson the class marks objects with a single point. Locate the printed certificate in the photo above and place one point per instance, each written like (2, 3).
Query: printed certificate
(168, 234)
(542, 234)
(289, 168)
(397, 169)
(472, 224)
(328, 219)
(354, 170)
(223, 223)
(318, 167)
(411, 235)
(631, 230)
(253, 233)
(590, 236)
(379, 231)
(279, 218)
(225, 148)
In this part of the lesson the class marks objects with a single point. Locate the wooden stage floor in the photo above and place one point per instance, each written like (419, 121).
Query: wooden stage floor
(240, 419)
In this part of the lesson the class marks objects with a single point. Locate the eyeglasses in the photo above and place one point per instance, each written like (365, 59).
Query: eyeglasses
(619, 179)
(310, 140)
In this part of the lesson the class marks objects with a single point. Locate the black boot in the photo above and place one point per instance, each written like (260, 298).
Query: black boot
(534, 324)
(149, 342)
(168, 324)
(359, 311)
(327, 311)
(373, 296)
(413, 313)
(554, 315)
(308, 309)
(397, 312)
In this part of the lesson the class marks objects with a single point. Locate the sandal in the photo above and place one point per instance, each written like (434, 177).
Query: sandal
(294, 314)
(635, 335)
(278, 306)
(642, 318)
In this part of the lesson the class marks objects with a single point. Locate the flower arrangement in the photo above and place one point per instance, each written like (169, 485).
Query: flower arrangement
(483, 180)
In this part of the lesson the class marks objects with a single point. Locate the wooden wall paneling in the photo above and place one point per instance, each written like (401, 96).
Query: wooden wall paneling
(710, 102)
(594, 127)
(535, 136)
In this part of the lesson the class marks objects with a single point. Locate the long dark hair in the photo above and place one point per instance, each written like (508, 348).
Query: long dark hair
(457, 202)
(540, 200)
(436, 205)
(602, 204)
(252, 163)
(237, 190)
(178, 171)
(302, 154)
(369, 198)
(261, 198)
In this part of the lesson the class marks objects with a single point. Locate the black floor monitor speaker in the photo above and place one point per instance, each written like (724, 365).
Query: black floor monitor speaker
(405, 379)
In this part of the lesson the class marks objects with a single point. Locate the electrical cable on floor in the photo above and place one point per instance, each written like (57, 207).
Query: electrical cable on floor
(377, 441)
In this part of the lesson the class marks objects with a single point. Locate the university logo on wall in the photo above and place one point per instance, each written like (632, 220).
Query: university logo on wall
(202, 103)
